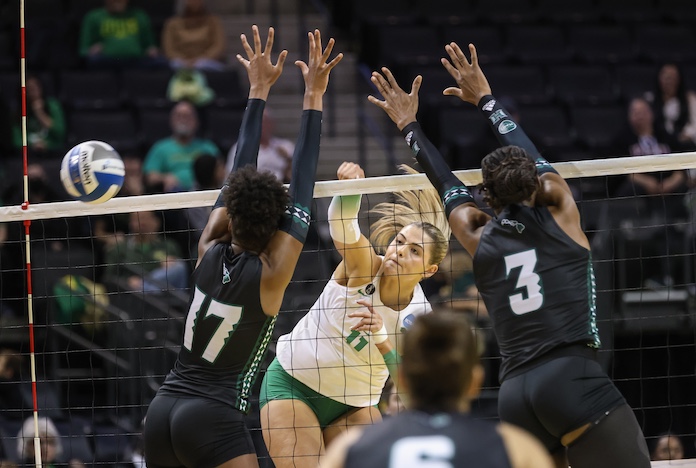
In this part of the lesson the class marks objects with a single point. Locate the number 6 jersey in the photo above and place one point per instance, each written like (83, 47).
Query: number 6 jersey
(537, 284)
(226, 332)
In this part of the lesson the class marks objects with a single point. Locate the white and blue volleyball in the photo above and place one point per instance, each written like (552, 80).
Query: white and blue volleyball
(92, 172)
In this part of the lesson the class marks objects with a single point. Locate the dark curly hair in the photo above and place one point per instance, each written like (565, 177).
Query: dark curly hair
(255, 203)
(509, 177)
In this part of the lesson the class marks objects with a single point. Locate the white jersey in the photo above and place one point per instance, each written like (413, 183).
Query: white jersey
(324, 353)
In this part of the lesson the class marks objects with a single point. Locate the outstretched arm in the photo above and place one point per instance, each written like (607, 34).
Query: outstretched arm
(473, 87)
(464, 217)
(285, 246)
(262, 75)
(360, 261)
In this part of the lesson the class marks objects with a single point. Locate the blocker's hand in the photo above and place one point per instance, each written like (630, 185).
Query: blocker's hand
(400, 106)
(260, 69)
(472, 83)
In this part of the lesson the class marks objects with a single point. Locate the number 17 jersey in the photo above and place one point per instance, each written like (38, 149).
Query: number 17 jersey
(537, 284)
(226, 333)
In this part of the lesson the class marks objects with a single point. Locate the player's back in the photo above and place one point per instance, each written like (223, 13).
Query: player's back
(537, 284)
(226, 332)
(413, 438)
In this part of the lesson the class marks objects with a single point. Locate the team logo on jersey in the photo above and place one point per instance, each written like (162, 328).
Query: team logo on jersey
(225, 274)
(506, 126)
(369, 290)
(489, 105)
(407, 322)
(415, 148)
(497, 116)
(513, 223)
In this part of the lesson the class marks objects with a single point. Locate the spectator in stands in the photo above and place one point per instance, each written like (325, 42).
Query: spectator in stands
(51, 444)
(275, 154)
(45, 121)
(169, 163)
(145, 259)
(11, 400)
(118, 36)
(642, 139)
(674, 105)
(194, 38)
(134, 180)
(668, 447)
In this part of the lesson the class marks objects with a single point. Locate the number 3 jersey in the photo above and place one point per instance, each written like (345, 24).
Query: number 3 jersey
(226, 332)
(324, 353)
(537, 284)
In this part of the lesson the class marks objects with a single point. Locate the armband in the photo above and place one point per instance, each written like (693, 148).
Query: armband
(343, 219)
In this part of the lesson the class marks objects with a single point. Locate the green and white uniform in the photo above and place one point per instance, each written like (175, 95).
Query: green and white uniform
(325, 355)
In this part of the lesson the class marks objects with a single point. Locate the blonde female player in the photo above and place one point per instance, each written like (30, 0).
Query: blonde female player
(329, 371)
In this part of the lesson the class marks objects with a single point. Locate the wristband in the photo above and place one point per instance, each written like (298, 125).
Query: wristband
(380, 336)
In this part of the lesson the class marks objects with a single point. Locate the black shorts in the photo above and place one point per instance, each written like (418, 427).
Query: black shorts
(557, 397)
(193, 432)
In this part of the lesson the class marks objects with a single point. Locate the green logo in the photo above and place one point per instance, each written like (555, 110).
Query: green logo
(506, 126)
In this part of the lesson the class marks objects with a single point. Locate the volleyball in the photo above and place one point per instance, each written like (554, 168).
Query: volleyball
(92, 172)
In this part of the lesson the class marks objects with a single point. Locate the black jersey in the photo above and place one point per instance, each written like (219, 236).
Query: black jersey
(226, 332)
(416, 439)
(537, 284)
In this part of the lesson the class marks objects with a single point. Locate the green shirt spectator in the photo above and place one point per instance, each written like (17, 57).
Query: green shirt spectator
(168, 156)
(45, 120)
(117, 31)
(169, 162)
(145, 259)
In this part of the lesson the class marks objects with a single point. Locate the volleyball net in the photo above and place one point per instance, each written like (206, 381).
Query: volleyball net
(110, 295)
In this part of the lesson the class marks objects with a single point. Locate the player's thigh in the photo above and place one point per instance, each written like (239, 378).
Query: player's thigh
(292, 433)
(569, 392)
(207, 433)
(357, 417)
(616, 441)
(157, 437)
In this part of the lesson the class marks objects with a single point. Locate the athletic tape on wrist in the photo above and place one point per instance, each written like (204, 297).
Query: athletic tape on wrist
(380, 336)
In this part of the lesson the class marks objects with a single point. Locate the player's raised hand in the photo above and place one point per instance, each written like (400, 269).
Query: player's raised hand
(316, 70)
(399, 105)
(350, 170)
(472, 84)
(260, 69)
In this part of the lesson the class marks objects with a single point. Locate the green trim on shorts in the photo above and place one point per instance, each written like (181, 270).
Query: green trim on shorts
(279, 385)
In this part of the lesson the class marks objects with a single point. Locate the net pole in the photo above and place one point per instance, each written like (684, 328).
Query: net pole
(27, 237)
